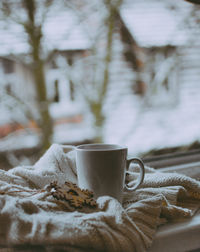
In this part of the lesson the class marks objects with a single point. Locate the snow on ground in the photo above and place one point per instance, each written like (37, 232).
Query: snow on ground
(130, 123)
(65, 109)
(73, 133)
(19, 140)
(141, 128)
(154, 128)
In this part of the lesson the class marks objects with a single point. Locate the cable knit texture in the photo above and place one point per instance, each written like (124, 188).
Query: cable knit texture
(30, 216)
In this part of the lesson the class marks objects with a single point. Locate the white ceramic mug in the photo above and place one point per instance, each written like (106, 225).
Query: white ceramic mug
(101, 168)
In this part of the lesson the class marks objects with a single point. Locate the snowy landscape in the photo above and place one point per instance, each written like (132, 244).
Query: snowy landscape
(169, 120)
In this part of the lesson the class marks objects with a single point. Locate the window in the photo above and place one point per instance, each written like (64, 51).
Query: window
(134, 80)
(56, 96)
(8, 66)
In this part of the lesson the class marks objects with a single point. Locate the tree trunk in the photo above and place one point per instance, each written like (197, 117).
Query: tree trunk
(34, 32)
(45, 122)
(98, 106)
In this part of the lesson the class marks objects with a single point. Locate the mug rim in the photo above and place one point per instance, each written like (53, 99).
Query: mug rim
(100, 147)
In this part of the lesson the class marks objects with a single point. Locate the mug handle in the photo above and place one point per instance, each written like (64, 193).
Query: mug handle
(141, 177)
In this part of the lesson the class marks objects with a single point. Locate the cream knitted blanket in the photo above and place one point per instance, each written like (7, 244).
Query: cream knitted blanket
(28, 218)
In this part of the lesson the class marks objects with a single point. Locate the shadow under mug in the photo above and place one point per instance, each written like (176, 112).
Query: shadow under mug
(102, 169)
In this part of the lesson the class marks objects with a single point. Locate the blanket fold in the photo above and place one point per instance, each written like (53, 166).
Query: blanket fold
(29, 215)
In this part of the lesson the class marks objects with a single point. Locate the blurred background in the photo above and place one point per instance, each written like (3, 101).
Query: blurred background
(81, 71)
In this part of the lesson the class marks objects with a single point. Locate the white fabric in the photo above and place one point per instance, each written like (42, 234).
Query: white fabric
(29, 216)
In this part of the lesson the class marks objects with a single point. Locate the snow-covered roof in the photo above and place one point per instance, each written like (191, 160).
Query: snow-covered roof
(61, 32)
(151, 23)
(154, 23)
(65, 32)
